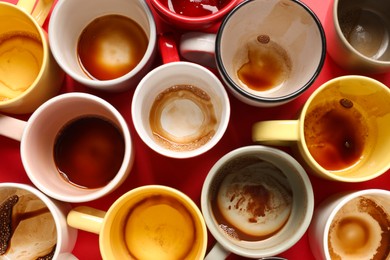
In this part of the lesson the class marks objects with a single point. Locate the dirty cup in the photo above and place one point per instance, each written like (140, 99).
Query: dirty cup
(148, 222)
(261, 50)
(352, 225)
(106, 45)
(75, 147)
(257, 202)
(342, 131)
(28, 72)
(358, 35)
(33, 225)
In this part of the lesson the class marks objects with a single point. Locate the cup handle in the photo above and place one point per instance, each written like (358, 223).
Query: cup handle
(276, 132)
(199, 47)
(41, 10)
(217, 253)
(168, 48)
(86, 218)
(11, 127)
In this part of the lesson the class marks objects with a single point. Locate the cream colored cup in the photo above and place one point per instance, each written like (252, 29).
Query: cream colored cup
(28, 72)
(38, 136)
(26, 241)
(368, 101)
(68, 20)
(353, 219)
(358, 34)
(148, 222)
(264, 169)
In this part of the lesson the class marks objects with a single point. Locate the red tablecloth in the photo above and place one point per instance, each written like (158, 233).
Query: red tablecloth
(188, 175)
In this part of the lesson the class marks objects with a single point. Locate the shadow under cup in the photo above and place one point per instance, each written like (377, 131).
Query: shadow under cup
(345, 129)
(272, 194)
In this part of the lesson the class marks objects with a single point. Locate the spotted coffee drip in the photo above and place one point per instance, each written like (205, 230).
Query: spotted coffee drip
(6, 222)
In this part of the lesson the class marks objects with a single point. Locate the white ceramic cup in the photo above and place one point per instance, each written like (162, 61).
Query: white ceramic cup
(326, 213)
(273, 40)
(301, 209)
(38, 136)
(67, 22)
(66, 235)
(180, 74)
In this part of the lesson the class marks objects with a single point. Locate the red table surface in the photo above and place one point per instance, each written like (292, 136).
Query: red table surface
(188, 175)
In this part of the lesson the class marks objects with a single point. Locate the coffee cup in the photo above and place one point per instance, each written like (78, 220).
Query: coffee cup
(180, 109)
(33, 225)
(148, 222)
(29, 74)
(261, 50)
(193, 15)
(106, 45)
(75, 147)
(342, 131)
(352, 225)
(257, 202)
(358, 33)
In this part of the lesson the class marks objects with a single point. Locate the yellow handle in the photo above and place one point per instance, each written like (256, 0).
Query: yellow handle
(86, 218)
(276, 132)
(41, 10)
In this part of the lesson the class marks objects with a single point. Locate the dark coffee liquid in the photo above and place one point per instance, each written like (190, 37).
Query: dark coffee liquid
(111, 46)
(89, 152)
(336, 134)
(268, 65)
(195, 8)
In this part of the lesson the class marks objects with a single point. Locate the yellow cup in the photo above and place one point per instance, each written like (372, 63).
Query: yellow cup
(29, 74)
(349, 141)
(149, 222)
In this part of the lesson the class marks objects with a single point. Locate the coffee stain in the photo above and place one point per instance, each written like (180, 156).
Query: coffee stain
(6, 222)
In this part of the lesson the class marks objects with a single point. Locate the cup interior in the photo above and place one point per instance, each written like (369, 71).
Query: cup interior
(370, 98)
(64, 33)
(365, 26)
(286, 25)
(176, 74)
(115, 244)
(301, 207)
(38, 141)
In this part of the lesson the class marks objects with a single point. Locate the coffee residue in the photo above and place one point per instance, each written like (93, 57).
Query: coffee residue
(6, 222)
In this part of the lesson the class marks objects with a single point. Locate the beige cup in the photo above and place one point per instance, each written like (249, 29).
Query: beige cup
(38, 137)
(342, 131)
(257, 202)
(70, 18)
(28, 72)
(149, 222)
(38, 224)
(358, 35)
(352, 225)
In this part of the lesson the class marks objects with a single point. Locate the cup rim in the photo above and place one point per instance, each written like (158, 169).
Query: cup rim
(224, 120)
(302, 141)
(347, 44)
(93, 194)
(269, 251)
(190, 19)
(257, 98)
(104, 85)
(46, 50)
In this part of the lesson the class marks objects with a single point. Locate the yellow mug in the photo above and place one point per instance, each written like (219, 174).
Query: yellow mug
(149, 222)
(342, 132)
(29, 75)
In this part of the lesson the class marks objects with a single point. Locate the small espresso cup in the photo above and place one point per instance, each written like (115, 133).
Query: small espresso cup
(75, 147)
(352, 225)
(342, 131)
(180, 109)
(261, 50)
(257, 202)
(193, 15)
(358, 34)
(34, 226)
(28, 72)
(149, 222)
(106, 45)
